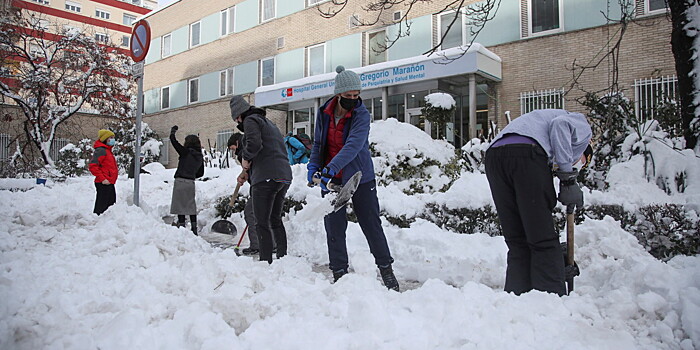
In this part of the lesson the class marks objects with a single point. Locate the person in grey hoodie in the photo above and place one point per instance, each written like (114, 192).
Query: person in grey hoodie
(266, 167)
(519, 164)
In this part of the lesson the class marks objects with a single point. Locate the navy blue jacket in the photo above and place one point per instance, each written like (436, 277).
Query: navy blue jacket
(354, 156)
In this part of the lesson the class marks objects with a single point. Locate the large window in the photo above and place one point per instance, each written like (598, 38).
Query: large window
(544, 15)
(102, 14)
(656, 5)
(73, 6)
(376, 47)
(316, 59)
(43, 2)
(649, 94)
(267, 10)
(226, 82)
(543, 99)
(267, 71)
(193, 90)
(165, 46)
(101, 37)
(195, 34)
(125, 41)
(4, 147)
(165, 97)
(453, 36)
(227, 20)
(222, 142)
(128, 19)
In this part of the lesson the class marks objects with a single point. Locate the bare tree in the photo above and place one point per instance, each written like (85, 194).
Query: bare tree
(51, 73)
(379, 12)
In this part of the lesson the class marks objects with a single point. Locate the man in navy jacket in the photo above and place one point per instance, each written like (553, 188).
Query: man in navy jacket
(340, 149)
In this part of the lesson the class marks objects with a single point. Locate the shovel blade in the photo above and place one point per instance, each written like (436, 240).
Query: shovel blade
(225, 227)
(348, 190)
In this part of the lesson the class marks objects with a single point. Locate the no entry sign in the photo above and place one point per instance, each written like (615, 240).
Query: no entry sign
(140, 40)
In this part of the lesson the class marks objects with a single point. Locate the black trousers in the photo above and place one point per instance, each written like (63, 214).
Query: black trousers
(106, 196)
(521, 185)
(366, 207)
(268, 202)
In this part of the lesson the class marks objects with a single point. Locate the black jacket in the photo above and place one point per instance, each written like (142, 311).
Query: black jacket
(191, 163)
(263, 145)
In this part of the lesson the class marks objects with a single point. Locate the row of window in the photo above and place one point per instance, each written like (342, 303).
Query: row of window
(127, 19)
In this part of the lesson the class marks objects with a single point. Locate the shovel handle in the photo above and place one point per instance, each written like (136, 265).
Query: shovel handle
(232, 202)
(570, 238)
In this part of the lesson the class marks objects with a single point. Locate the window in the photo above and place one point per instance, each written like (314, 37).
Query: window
(39, 23)
(656, 5)
(73, 6)
(649, 94)
(314, 2)
(70, 30)
(56, 146)
(544, 99)
(316, 59)
(451, 36)
(101, 37)
(222, 142)
(193, 90)
(128, 19)
(376, 47)
(228, 20)
(165, 46)
(226, 82)
(4, 147)
(165, 97)
(43, 2)
(125, 40)
(164, 151)
(267, 71)
(194, 34)
(35, 51)
(544, 16)
(102, 14)
(267, 10)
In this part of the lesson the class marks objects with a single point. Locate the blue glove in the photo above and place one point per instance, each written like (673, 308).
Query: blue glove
(312, 168)
(326, 176)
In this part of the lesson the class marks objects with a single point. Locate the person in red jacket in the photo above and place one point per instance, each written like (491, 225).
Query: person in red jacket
(104, 167)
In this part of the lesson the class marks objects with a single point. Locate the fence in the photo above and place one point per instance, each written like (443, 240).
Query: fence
(650, 93)
(543, 99)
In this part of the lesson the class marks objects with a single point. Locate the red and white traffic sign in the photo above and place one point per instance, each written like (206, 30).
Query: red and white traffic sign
(140, 40)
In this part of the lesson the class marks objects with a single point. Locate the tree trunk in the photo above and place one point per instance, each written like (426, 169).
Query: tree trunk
(682, 46)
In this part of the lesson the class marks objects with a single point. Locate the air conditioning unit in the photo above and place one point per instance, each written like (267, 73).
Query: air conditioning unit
(397, 16)
(280, 42)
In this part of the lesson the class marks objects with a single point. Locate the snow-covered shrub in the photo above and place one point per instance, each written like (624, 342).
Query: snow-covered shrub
(125, 134)
(667, 230)
(224, 209)
(473, 153)
(464, 220)
(73, 159)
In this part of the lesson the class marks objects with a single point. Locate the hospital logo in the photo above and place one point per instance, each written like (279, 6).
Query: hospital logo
(287, 92)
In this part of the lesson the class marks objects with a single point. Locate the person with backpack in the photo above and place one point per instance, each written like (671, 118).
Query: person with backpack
(189, 167)
(266, 167)
(519, 165)
(341, 149)
(104, 166)
(297, 151)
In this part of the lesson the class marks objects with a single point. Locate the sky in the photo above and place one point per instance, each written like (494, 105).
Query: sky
(127, 280)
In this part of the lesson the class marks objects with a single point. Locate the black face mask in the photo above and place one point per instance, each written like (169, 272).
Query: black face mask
(240, 126)
(348, 103)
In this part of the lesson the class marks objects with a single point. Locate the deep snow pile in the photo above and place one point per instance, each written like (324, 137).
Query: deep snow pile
(126, 280)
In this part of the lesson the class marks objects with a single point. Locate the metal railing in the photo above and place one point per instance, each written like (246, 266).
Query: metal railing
(650, 93)
(542, 99)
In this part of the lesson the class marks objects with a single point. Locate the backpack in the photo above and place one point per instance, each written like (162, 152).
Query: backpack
(306, 141)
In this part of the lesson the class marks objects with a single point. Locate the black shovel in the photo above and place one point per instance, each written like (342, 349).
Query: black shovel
(570, 267)
(224, 226)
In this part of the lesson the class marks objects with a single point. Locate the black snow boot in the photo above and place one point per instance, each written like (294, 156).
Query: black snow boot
(388, 277)
(338, 274)
(194, 228)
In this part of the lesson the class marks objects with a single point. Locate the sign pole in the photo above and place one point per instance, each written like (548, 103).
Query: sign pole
(140, 42)
(137, 147)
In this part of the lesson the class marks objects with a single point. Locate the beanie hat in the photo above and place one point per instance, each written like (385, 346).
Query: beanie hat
(238, 106)
(104, 134)
(346, 80)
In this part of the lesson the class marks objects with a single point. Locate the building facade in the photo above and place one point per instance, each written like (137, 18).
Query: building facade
(281, 54)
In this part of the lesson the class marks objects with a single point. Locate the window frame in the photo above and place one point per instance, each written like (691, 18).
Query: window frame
(262, 11)
(368, 52)
(462, 27)
(227, 81)
(162, 108)
(99, 11)
(308, 59)
(530, 33)
(133, 19)
(169, 36)
(42, 2)
(649, 11)
(76, 7)
(229, 14)
(199, 34)
(189, 90)
(104, 35)
(260, 71)
(126, 40)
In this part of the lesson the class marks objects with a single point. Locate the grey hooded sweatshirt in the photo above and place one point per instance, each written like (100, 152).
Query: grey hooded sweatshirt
(562, 134)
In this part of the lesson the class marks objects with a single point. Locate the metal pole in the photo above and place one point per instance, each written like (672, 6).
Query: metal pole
(472, 107)
(137, 146)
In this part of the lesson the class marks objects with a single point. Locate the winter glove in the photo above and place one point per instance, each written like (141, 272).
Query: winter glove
(326, 176)
(570, 193)
(313, 168)
(173, 129)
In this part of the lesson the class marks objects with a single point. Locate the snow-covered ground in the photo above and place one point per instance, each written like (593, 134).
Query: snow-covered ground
(125, 280)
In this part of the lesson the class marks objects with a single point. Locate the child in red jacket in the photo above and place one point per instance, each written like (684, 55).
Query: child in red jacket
(104, 167)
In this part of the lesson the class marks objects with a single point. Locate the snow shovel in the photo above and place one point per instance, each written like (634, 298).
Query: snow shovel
(571, 268)
(344, 192)
(225, 226)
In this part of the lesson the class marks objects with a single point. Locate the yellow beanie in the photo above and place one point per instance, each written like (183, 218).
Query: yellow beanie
(104, 134)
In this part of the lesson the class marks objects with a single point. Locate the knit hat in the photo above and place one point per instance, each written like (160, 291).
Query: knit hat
(104, 134)
(346, 80)
(238, 106)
